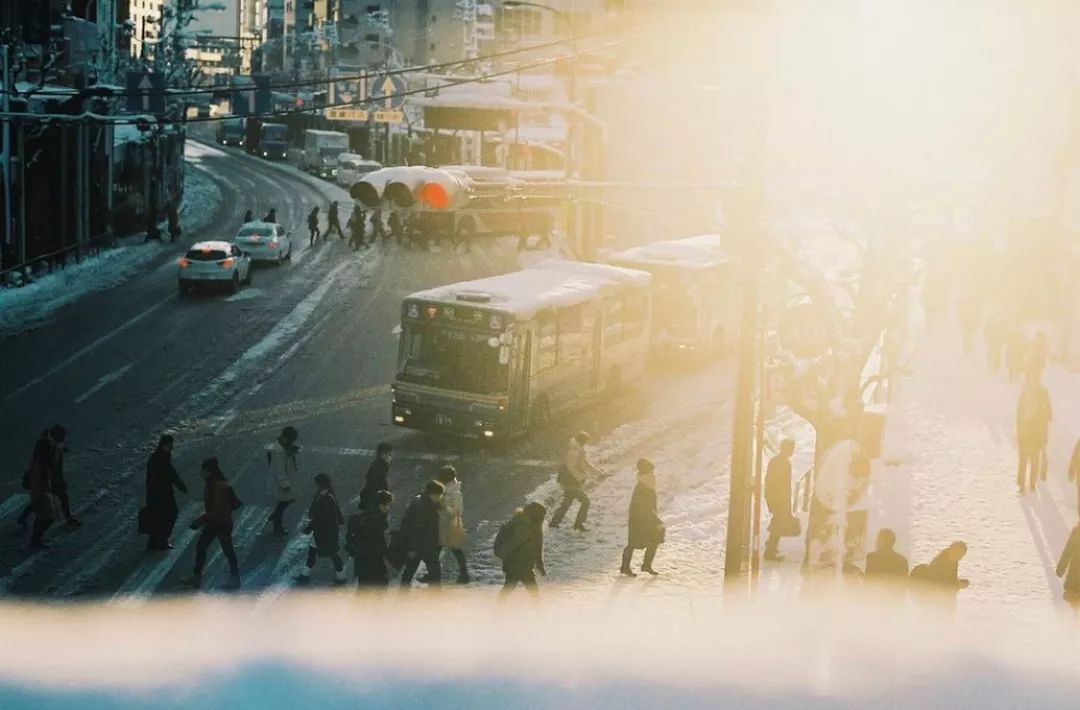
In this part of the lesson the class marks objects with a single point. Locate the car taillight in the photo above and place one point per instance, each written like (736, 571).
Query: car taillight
(184, 263)
(227, 264)
(273, 243)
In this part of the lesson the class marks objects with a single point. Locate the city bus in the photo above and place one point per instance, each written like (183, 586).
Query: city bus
(496, 357)
(694, 294)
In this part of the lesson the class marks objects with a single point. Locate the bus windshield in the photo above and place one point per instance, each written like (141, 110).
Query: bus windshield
(675, 298)
(452, 358)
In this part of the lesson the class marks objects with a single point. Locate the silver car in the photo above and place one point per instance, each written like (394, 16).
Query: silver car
(213, 264)
(265, 241)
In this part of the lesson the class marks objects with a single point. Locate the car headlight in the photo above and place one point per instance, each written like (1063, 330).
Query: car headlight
(265, 154)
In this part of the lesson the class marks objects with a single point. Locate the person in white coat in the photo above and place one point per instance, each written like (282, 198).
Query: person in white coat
(452, 534)
(281, 474)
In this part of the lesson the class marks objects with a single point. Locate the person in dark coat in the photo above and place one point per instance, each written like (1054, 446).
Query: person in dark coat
(365, 538)
(357, 224)
(885, 563)
(576, 471)
(378, 231)
(378, 475)
(520, 546)
(644, 528)
(1069, 568)
(324, 525)
(420, 532)
(939, 580)
(47, 464)
(333, 222)
(778, 499)
(271, 216)
(313, 225)
(161, 484)
(220, 502)
(1033, 416)
(248, 217)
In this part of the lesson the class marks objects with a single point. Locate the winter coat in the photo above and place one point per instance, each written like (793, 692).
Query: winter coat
(332, 215)
(451, 518)
(578, 465)
(886, 563)
(40, 477)
(1069, 565)
(778, 486)
(523, 550)
(161, 482)
(420, 526)
(377, 479)
(325, 521)
(1033, 415)
(313, 220)
(644, 526)
(281, 472)
(365, 539)
(219, 501)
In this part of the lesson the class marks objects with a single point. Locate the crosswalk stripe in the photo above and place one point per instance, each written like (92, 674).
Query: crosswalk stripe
(151, 571)
(249, 524)
(417, 456)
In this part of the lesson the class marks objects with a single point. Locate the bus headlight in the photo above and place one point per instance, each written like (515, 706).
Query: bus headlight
(488, 433)
(399, 419)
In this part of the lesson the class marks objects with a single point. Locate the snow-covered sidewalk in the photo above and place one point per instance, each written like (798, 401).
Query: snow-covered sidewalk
(33, 304)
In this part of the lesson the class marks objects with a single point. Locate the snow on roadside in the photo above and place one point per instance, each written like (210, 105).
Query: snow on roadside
(33, 304)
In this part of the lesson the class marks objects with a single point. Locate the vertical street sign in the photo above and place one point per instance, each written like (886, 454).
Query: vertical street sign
(145, 92)
(388, 93)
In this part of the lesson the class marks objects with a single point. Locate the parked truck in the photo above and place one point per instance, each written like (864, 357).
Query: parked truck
(321, 151)
(231, 131)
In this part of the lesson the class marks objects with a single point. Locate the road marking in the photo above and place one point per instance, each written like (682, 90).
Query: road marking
(103, 339)
(103, 382)
(152, 570)
(15, 502)
(225, 420)
(418, 456)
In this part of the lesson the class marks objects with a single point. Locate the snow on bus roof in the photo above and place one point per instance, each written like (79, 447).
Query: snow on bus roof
(549, 284)
(675, 253)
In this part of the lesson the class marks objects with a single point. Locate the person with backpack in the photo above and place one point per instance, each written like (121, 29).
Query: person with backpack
(324, 526)
(365, 539)
(1033, 416)
(162, 482)
(1068, 568)
(313, 226)
(378, 476)
(645, 530)
(519, 544)
(572, 477)
(452, 534)
(220, 503)
(333, 223)
(420, 534)
(281, 472)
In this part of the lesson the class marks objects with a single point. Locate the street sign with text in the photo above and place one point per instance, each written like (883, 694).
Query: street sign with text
(346, 114)
(145, 92)
(389, 116)
(388, 93)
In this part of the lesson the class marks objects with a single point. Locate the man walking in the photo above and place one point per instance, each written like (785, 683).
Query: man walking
(313, 226)
(332, 222)
(161, 484)
(365, 537)
(519, 544)
(1069, 568)
(420, 531)
(644, 528)
(49, 458)
(778, 499)
(572, 477)
(378, 476)
(220, 502)
(357, 224)
(1033, 416)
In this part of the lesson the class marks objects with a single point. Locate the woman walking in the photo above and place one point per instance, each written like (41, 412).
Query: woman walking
(520, 545)
(645, 529)
(451, 520)
(281, 472)
(313, 226)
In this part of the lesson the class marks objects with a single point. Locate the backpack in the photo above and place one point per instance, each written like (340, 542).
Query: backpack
(501, 538)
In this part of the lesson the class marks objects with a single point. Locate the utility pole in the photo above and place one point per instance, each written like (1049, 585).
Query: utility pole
(742, 459)
(5, 105)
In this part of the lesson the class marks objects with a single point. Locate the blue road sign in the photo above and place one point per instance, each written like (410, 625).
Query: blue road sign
(145, 92)
(387, 93)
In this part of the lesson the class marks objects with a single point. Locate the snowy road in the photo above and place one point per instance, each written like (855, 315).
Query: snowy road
(310, 344)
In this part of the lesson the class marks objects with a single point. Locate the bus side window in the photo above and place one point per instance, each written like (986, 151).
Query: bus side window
(635, 312)
(547, 344)
(613, 321)
(572, 339)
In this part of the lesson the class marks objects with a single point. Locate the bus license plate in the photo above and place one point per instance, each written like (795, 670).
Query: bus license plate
(443, 420)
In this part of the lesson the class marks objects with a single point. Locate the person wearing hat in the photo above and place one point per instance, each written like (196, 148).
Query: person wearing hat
(281, 472)
(216, 522)
(520, 545)
(161, 484)
(420, 531)
(645, 530)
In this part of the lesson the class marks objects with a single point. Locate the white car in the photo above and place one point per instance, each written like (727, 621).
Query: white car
(265, 241)
(214, 264)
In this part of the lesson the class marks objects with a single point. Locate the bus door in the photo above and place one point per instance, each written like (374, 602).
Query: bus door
(520, 367)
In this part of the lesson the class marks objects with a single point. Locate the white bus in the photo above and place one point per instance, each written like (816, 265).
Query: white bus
(495, 357)
(695, 295)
